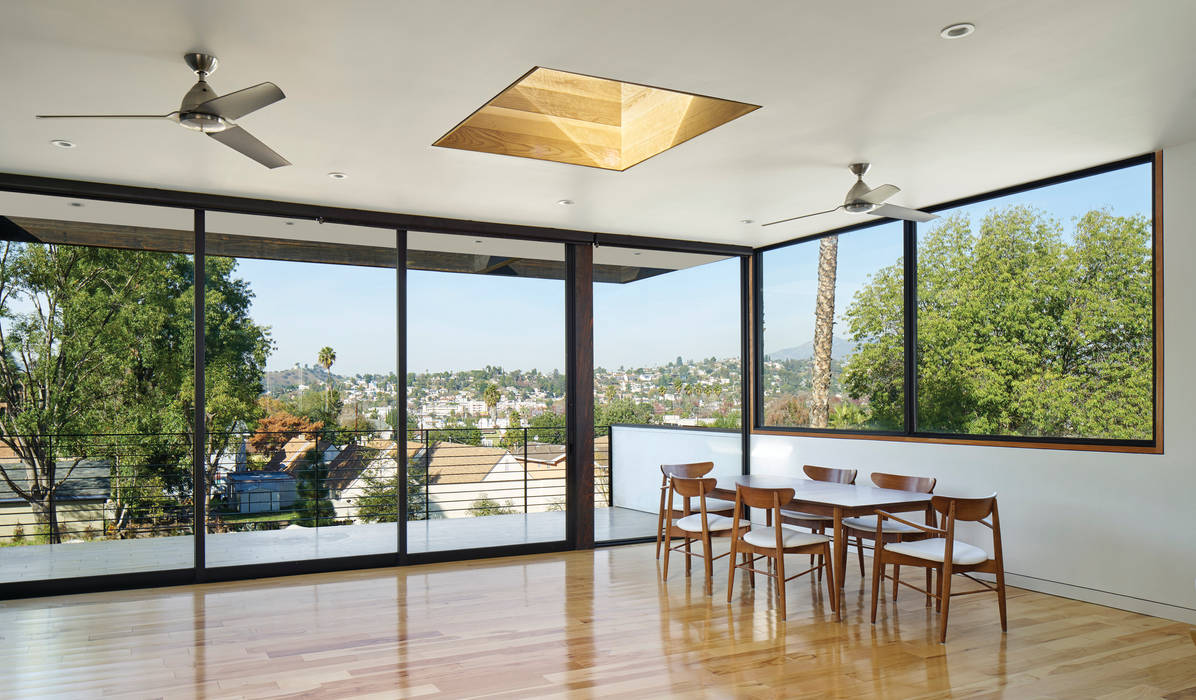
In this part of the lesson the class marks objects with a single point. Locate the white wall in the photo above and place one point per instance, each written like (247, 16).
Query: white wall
(638, 451)
(1116, 529)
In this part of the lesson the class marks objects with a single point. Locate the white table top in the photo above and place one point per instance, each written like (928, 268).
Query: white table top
(821, 492)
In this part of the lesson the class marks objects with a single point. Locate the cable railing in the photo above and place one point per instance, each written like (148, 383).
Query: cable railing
(69, 488)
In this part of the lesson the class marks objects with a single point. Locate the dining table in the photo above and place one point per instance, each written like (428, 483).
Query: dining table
(836, 501)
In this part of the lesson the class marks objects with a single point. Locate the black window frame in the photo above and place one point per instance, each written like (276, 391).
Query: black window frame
(911, 432)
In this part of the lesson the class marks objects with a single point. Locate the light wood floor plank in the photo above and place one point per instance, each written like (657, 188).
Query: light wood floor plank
(590, 624)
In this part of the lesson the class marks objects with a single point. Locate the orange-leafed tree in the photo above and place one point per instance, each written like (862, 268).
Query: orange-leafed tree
(276, 429)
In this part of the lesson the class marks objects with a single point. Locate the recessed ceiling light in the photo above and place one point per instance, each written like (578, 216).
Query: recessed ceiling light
(565, 202)
(289, 223)
(636, 253)
(746, 221)
(958, 30)
(63, 143)
(477, 240)
(337, 176)
(76, 204)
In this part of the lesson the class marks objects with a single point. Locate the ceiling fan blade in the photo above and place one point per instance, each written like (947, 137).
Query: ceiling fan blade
(895, 212)
(803, 216)
(107, 116)
(243, 142)
(237, 104)
(877, 195)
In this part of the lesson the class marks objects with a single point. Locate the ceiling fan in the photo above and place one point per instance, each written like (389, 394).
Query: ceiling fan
(861, 199)
(202, 110)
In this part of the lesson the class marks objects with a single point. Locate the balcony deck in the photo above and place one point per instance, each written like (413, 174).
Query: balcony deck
(97, 558)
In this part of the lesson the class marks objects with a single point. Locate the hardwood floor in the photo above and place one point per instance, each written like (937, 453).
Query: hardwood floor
(584, 624)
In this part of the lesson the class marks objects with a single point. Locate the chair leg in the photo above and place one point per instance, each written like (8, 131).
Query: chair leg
(896, 579)
(689, 558)
(749, 559)
(664, 572)
(706, 556)
(732, 567)
(929, 571)
(946, 600)
(859, 554)
(659, 532)
(878, 565)
(1001, 598)
(938, 602)
(781, 583)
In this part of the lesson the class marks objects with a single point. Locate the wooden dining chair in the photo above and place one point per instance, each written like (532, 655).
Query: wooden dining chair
(863, 528)
(773, 543)
(818, 524)
(945, 554)
(690, 470)
(701, 525)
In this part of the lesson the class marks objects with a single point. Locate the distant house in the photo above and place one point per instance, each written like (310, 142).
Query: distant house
(83, 500)
(460, 475)
(349, 472)
(259, 491)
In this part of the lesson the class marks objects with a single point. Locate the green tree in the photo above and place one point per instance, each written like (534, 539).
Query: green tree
(548, 427)
(487, 506)
(313, 507)
(1021, 331)
(379, 496)
(325, 358)
(95, 362)
(491, 395)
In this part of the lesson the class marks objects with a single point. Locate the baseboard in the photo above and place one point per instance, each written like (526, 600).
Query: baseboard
(1111, 600)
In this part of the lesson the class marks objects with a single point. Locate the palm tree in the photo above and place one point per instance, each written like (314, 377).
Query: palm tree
(824, 324)
(326, 357)
(491, 395)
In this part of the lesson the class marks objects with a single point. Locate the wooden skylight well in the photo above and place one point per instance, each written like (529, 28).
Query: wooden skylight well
(582, 120)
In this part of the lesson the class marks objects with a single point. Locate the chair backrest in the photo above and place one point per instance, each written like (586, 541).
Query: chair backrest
(691, 470)
(692, 488)
(835, 476)
(759, 497)
(970, 510)
(965, 509)
(897, 482)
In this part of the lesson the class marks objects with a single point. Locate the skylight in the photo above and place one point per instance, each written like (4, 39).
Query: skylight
(582, 120)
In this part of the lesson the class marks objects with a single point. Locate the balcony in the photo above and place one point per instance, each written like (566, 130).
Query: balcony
(305, 499)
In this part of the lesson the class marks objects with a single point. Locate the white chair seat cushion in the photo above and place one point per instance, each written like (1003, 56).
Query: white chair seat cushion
(805, 516)
(712, 505)
(936, 550)
(868, 524)
(716, 523)
(767, 537)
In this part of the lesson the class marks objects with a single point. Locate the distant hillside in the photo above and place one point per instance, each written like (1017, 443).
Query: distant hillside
(311, 376)
(840, 349)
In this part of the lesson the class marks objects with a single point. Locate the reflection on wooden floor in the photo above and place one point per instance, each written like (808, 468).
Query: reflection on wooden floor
(580, 624)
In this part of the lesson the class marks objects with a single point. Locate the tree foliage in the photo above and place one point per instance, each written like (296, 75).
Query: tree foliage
(95, 361)
(1022, 330)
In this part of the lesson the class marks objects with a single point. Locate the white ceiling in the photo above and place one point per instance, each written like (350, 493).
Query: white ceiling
(1041, 88)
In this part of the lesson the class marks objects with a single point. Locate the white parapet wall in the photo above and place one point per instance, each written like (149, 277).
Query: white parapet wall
(637, 451)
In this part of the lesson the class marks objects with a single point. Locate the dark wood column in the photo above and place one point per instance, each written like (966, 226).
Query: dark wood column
(579, 395)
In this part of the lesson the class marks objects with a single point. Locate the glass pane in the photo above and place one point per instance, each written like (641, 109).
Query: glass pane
(486, 392)
(97, 343)
(834, 332)
(666, 354)
(1035, 313)
(301, 385)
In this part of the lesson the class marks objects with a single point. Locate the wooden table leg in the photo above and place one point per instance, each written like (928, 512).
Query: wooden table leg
(840, 549)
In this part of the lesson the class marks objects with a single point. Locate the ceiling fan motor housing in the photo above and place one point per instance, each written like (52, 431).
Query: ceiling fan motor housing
(200, 121)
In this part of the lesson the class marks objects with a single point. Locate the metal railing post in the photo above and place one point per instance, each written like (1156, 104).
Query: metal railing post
(525, 471)
(427, 476)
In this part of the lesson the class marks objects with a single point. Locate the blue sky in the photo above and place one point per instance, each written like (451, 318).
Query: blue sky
(461, 321)
(791, 274)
